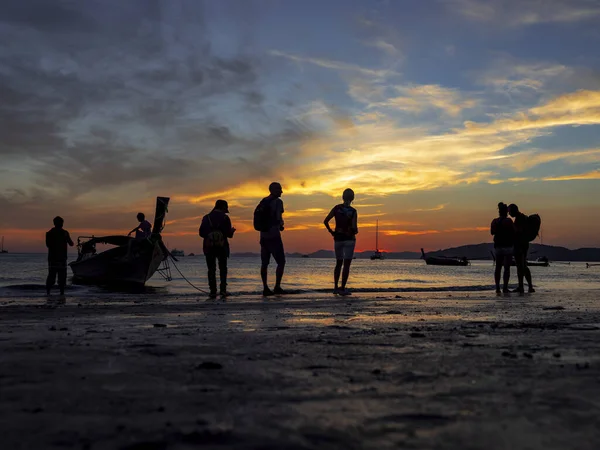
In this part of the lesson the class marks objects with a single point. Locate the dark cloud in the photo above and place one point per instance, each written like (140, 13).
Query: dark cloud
(100, 94)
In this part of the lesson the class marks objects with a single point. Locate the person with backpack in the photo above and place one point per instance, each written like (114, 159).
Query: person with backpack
(522, 237)
(216, 229)
(57, 240)
(268, 219)
(503, 230)
(344, 237)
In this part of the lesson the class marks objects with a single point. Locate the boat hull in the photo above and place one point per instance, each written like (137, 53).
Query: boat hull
(112, 267)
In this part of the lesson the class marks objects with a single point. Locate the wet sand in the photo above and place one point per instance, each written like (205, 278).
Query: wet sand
(422, 371)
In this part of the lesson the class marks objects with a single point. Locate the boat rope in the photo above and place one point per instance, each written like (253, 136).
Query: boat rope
(188, 281)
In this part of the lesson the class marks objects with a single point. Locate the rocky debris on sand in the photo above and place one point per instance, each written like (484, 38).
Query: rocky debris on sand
(160, 325)
(553, 308)
(416, 335)
(507, 354)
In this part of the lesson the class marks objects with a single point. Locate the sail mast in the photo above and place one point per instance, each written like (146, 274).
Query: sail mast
(377, 236)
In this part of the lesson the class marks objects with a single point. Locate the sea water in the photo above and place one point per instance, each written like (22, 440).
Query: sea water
(23, 274)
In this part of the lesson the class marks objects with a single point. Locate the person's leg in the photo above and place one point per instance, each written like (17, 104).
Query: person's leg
(497, 270)
(507, 261)
(346, 273)
(279, 256)
(211, 264)
(265, 257)
(336, 273)
(51, 278)
(348, 254)
(223, 273)
(339, 260)
(62, 278)
(520, 263)
(526, 271)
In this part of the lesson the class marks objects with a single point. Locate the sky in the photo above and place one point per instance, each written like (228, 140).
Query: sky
(431, 111)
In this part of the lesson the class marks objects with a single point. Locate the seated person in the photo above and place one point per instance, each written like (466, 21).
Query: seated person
(143, 230)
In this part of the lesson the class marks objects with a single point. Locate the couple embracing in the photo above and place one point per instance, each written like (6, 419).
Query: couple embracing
(511, 240)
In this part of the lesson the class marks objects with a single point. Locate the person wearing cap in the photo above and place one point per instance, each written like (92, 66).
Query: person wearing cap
(216, 229)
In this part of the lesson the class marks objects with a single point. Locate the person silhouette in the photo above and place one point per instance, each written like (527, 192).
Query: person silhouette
(503, 230)
(270, 239)
(344, 237)
(143, 229)
(216, 229)
(521, 248)
(57, 240)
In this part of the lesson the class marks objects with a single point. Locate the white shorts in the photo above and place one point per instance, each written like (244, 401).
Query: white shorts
(344, 249)
(504, 251)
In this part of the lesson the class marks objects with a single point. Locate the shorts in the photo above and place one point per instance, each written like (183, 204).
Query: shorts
(272, 246)
(504, 251)
(522, 250)
(344, 249)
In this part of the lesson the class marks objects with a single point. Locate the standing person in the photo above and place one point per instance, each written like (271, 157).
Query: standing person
(521, 248)
(344, 236)
(503, 230)
(216, 229)
(268, 219)
(143, 230)
(57, 240)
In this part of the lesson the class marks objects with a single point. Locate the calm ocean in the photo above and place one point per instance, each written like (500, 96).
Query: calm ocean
(23, 274)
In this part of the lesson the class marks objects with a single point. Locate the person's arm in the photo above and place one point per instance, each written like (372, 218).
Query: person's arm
(493, 227)
(69, 240)
(280, 213)
(328, 218)
(204, 227)
(47, 239)
(229, 230)
(135, 229)
(355, 223)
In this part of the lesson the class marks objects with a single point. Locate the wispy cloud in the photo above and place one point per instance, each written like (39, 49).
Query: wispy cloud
(593, 175)
(435, 208)
(526, 12)
(333, 64)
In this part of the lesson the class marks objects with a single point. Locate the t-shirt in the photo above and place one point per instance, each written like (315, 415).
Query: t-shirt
(520, 225)
(344, 223)
(144, 230)
(57, 240)
(276, 206)
(503, 230)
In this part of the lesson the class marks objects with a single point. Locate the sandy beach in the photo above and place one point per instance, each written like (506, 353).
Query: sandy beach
(414, 370)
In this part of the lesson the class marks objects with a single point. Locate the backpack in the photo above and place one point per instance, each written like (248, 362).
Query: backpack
(215, 239)
(263, 216)
(532, 227)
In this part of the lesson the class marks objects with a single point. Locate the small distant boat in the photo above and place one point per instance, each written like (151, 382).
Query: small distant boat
(2, 248)
(305, 256)
(114, 266)
(377, 254)
(191, 254)
(176, 252)
(542, 261)
(444, 260)
(588, 265)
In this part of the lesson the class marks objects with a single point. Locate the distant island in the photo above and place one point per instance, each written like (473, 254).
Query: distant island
(472, 252)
